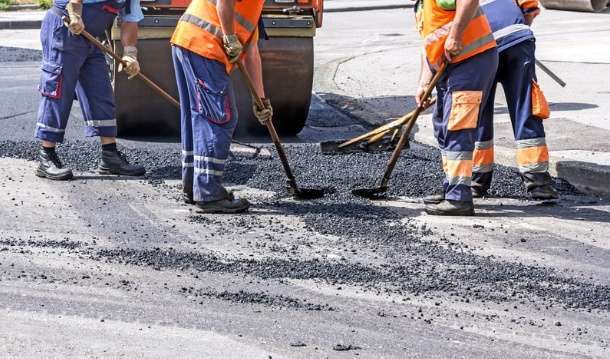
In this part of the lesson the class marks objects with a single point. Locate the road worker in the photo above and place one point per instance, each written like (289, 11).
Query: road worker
(458, 33)
(210, 37)
(73, 68)
(510, 21)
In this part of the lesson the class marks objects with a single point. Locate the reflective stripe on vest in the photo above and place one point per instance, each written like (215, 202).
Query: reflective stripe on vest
(199, 29)
(211, 28)
(436, 23)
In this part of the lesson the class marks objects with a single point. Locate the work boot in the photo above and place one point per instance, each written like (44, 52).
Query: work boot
(478, 191)
(543, 193)
(225, 205)
(434, 198)
(51, 167)
(451, 208)
(539, 186)
(187, 195)
(114, 162)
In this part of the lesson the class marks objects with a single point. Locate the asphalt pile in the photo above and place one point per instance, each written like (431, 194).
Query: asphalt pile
(256, 298)
(410, 266)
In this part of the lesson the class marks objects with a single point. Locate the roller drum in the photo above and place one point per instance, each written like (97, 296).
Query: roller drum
(287, 73)
(577, 5)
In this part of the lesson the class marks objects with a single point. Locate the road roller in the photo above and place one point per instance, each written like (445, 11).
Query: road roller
(287, 57)
(576, 5)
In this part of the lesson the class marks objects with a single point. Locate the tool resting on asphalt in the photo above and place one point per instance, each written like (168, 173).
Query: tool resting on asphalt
(378, 192)
(299, 193)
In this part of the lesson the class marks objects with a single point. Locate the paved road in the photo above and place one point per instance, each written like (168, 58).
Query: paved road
(107, 267)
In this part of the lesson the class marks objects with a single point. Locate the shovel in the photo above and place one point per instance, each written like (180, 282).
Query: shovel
(298, 193)
(379, 192)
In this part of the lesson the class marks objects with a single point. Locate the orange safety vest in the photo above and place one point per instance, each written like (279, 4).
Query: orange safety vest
(434, 24)
(199, 29)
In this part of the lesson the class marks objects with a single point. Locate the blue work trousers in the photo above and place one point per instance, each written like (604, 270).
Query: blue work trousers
(516, 72)
(460, 92)
(74, 68)
(208, 117)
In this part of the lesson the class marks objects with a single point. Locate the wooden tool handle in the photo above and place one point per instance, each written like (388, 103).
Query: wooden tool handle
(117, 58)
(272, 132)
(405, 135)
(384, 128)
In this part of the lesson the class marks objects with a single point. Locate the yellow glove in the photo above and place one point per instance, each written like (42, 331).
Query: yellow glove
(263, 114)
(233, 48)
(130, 57)
(75, 15)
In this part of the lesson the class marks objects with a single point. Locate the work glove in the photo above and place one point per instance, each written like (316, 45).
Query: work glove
(130, 57)
(263, 114)
(453, 47)
(233, 48)
(75, 17)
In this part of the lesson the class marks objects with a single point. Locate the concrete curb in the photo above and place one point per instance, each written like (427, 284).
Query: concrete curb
(23, 7)
(20, 24)
(368, 8)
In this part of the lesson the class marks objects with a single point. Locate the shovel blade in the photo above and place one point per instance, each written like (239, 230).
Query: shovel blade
(371, 193)
(308, 193)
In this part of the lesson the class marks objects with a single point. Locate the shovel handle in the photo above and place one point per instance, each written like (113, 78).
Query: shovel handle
(405, 134)
(548, 71)
(384, 128)
(117, 58)
(272, 132)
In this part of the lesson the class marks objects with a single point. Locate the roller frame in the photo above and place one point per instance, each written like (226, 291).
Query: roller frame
(576, 5)
(287, 71)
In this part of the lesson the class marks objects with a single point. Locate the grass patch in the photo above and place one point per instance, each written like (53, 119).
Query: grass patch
(4, 4)
(44, 4)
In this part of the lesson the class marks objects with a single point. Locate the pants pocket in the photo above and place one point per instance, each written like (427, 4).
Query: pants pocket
(50, 80)
(214, 104)
(540, 106)
(465, 107)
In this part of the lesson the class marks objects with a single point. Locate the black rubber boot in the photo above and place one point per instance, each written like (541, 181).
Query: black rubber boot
(451, 208)
(544, 193)
(187, 190)
(114, 162)
(478, 191)
(51, 167)
(539, 186)
(187, 194)
(224, 206)
(434, 198)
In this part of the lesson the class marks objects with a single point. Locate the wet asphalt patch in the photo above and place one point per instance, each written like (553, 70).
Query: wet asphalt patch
(256, 298)
(411, 266)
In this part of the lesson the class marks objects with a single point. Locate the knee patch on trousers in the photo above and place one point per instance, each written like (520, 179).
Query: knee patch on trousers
(465, 107)
(50, 80)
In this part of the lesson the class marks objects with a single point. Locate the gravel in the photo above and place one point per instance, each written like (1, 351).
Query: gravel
(405, 264)
(14, 54)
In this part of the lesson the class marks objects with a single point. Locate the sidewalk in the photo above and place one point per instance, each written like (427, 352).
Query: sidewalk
(21, 19)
